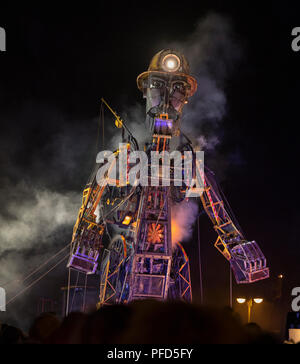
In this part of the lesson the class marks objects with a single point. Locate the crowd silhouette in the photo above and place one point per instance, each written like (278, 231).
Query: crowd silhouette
(141, 322)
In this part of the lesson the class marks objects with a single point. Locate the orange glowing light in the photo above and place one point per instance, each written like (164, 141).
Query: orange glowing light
(176, 232)
(127, 220)
(155, 233)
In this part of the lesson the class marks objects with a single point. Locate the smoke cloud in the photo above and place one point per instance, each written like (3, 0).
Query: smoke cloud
(31, 232)
(134, 117)
(35, 221)
(212, 52)
(184, 216)
(40, 195)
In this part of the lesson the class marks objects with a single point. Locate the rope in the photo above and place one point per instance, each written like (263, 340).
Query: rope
(36, 270)
(230, 287)
(36, 281)
(103, 127)
(69, 284)
(220, 194)
(74, 293)
(227, 206)
(232, 215)
(84, 296)
(68, 292)
(200, 264)
(101, 122)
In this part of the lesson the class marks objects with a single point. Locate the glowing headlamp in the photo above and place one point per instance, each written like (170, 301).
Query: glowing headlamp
(171, 63)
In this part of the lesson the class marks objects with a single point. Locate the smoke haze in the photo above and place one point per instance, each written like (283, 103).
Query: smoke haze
(212, 53)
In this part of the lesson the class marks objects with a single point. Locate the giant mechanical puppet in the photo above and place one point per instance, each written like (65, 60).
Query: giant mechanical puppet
(124, 233)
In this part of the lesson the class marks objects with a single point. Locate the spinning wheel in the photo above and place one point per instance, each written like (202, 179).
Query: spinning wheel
(155, 233)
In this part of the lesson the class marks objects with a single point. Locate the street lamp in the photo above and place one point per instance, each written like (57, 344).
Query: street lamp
(249, 304)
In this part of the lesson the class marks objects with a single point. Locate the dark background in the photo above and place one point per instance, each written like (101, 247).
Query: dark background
(61, 60)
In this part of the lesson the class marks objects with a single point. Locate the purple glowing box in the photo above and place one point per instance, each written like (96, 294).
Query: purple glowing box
(84, 260)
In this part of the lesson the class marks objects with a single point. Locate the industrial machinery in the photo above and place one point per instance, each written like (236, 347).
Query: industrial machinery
(124, 230)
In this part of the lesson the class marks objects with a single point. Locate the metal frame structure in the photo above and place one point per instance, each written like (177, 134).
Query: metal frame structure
(247, 261)
(129, 227)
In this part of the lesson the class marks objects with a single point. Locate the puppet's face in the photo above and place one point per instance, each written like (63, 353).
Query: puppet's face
(166, 86)
(166, 94)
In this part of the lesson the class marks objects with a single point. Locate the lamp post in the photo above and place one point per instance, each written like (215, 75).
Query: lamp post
(250, 303)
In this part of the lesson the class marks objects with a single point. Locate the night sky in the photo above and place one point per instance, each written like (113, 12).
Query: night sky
(60, 61)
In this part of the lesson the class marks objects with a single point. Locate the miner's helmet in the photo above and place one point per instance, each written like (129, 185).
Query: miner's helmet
(168, 62)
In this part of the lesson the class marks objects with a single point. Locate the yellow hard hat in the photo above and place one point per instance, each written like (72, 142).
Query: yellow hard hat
(169, 61)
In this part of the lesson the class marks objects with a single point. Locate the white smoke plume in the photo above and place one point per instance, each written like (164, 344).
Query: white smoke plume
(208, 143)
(212, 52)
(36, 220)
(184, 216)
(33, 225)
(31, 232)
(40, 195)
(134, 117)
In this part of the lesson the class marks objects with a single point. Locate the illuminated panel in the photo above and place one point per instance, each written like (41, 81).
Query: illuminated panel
(127, 220)
(163, 127)
(149, 286)
(86, 263)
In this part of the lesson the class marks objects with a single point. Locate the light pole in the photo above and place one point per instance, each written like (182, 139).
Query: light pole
(250, 303)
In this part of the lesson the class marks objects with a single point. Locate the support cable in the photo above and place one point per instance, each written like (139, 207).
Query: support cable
(36, 281)
(84, 296)
(200, 264)
(74, 293)
(36, 270)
